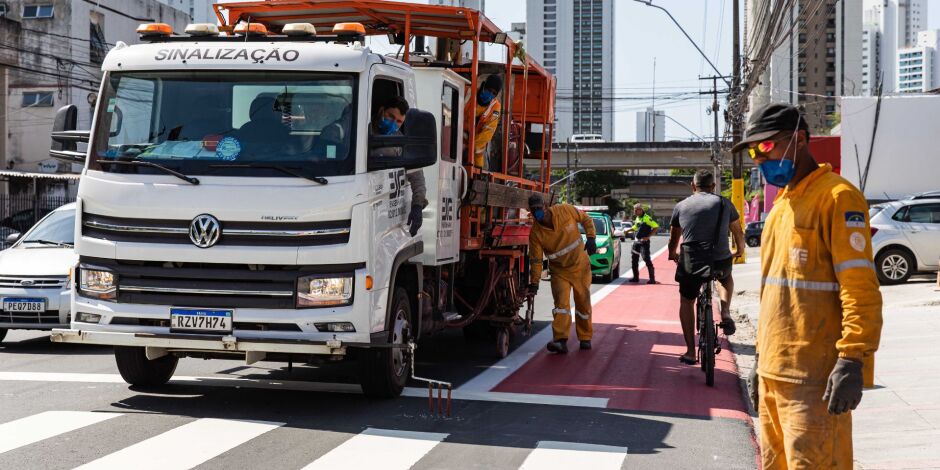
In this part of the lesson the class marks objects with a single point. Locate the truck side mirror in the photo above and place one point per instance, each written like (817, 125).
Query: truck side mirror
(416, 148)
(65, 138)
(13, 237)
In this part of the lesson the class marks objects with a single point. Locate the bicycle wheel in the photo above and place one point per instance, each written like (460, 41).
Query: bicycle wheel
(700, 304)
(708, 351)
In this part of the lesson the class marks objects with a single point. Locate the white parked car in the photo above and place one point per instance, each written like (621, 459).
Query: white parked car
(905, 238)
(34, 284)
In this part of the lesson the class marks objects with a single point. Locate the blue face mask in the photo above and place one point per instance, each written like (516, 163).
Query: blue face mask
(539, 214)
(388, 126)
(484, 97)
(778, 172)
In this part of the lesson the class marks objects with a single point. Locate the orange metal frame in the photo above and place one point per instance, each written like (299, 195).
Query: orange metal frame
(531, 90)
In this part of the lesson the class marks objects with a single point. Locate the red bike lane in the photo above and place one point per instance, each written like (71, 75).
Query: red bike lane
(634, 361)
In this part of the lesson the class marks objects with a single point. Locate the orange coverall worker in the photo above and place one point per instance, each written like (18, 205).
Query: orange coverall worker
(819, 302)
(569, 266)
(487, 120)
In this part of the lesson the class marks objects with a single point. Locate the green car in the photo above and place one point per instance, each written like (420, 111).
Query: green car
(606, 262)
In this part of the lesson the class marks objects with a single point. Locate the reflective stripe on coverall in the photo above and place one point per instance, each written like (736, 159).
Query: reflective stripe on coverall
(487, 120)
(570, 268)
(819, 302)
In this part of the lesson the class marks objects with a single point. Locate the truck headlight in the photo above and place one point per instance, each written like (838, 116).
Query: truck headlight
(602, 250)
(97, 283)
(319, 291)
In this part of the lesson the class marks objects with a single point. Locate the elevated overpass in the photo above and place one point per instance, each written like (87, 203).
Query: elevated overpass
(633, 156)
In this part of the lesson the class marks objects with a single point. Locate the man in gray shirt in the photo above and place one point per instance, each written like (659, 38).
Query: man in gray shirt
(694, 220)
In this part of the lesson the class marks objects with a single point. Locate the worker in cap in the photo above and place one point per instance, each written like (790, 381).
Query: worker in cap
(820, 307)
(555, 235)
(644, 227)
(487, 116)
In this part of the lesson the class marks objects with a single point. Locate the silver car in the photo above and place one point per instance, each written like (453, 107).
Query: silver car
(34, 286)
(905, 238)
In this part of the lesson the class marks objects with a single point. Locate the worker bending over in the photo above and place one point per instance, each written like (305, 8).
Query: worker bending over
(555, 235)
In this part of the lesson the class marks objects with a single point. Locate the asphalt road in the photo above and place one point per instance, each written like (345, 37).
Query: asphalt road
(65, 406)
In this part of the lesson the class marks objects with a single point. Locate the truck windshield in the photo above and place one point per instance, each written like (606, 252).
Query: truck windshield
(223, 122)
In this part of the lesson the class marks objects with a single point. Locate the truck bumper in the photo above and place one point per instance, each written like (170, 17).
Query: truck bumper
(158, 344)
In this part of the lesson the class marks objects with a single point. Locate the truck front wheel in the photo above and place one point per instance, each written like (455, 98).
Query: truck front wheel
(385, 370)
(136, 369)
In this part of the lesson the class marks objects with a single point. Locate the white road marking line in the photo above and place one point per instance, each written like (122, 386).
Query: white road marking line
(504, 397)
(495, 374)
(379, 448)
(300, 386)
(44, 425)
(550, 455)
(186, 446)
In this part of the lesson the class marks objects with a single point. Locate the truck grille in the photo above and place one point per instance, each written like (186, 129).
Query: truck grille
(210, 284)
(48, 317)
(29, 282)
(233, 233)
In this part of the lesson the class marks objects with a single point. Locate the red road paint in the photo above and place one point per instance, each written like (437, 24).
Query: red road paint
(635, 359)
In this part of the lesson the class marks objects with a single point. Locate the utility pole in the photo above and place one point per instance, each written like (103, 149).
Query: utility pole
(716, 146)
(737, 160)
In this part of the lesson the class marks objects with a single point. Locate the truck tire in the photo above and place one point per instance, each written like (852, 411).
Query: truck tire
(386, 370)
(137, 370)
(894, 266)
(3, 333)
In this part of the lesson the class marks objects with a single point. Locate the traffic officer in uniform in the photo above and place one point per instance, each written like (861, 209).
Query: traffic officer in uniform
(820, 307)
(644, 227)
(556, 236)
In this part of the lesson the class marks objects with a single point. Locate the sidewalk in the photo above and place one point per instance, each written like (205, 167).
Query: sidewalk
(897, 425)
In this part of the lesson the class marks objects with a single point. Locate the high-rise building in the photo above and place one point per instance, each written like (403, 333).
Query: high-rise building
(888, 25)
(820, 61)
(917, 65)
(651, 126)
(574, 39)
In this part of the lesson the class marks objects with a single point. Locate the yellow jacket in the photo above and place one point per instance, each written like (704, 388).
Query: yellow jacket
(487, 120)
(562, 245)
(819, 294)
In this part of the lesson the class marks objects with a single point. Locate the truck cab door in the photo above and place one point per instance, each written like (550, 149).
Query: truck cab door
(451, 176)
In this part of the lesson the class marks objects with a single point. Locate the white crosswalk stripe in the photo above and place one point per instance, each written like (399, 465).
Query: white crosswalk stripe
(186, 446)
(379, 448)
(549, 455)
(201, 440)
(44, 425)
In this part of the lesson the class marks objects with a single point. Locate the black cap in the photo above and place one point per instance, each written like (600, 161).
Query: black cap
(494, 82)
(768, 121)
(536, 199)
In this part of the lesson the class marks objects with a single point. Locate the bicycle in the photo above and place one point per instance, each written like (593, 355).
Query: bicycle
(708, 345)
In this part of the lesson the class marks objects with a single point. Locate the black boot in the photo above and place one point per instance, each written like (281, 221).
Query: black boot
(558, 347)
(586, 344)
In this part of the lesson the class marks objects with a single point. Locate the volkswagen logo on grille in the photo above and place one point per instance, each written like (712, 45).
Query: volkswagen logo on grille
(204, 231)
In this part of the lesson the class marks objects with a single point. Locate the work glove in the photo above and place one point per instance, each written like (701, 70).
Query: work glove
(753, 384)
(590, 246)
(414, 219)
(844, 387)
(533, 289)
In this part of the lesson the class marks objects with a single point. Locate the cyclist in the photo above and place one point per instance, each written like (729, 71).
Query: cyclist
(694, 220)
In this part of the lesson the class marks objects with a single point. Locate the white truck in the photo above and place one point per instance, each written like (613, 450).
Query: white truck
(234, 203)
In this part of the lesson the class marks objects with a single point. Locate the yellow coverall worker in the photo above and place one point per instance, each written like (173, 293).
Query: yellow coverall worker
(569, 266)
(487, 120)
(819, 302)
